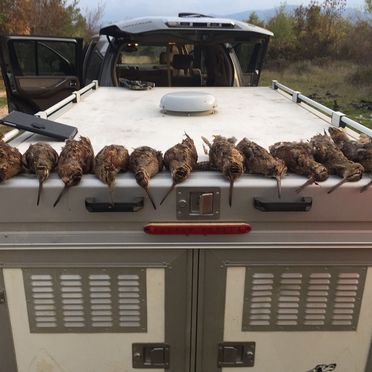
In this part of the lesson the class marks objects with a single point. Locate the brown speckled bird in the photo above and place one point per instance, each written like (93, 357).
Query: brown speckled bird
(109, 162)
(76, 159)
(326, 153)
(258, 160)
(180, 160)
(360, 152)
(40, 159)
(145, 162)
(10, 161)
(364, 138)
(298, 157)
(225, 157)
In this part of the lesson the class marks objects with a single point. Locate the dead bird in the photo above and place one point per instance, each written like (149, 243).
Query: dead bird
(299, 159)
(109, 162)
(225, 157)
(145, 162)
(40, 159)
(10, 161)
(358, 151)
(258, 160)
(180, 160)
(76, 159)
(364, 138)
(327, 153)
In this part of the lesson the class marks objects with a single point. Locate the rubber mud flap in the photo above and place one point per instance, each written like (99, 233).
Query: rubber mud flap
(94, 206)
(297, 205)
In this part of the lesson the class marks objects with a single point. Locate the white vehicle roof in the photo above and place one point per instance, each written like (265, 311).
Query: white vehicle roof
(161, 24)
(134, 118)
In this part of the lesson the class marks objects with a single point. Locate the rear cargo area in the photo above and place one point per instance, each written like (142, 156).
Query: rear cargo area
(87, 290)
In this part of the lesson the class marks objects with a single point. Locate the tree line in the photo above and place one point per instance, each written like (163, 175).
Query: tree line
(49, 17)
(318, 31)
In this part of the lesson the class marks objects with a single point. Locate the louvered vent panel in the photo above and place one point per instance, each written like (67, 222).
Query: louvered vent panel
(72, 300)
(86, 300)
(129, 301)
(302, 298)
(43, 301)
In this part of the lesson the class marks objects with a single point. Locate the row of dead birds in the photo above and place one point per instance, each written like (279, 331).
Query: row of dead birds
(316, 159)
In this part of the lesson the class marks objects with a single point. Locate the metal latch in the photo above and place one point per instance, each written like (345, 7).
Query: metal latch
(150, 355)
(236, 354)
(2, 296)
(198, 203)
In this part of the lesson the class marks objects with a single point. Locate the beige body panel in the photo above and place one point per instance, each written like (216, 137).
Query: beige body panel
(89, 352)
(298, 351)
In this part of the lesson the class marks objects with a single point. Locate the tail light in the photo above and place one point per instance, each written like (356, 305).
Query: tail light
(197, 228)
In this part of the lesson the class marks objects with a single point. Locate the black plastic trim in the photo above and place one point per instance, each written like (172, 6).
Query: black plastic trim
(303, 204)
(94, 206)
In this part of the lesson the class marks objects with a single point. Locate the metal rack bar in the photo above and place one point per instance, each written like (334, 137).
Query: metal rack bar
(337, 118)
(73, 98)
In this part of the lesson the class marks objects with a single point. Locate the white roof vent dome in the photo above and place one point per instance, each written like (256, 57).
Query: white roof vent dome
(188, 103)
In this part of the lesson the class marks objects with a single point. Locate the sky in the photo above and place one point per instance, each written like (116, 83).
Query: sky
(116, 10)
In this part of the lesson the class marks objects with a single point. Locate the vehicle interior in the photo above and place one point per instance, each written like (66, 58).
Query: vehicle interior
(174, 64)
(184, 64)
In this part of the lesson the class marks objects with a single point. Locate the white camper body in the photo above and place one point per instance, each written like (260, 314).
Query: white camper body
(86, 290)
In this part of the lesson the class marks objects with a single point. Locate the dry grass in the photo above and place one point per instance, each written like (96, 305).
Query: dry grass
(342, 86)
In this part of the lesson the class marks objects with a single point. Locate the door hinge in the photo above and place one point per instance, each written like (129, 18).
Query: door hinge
(236, 354)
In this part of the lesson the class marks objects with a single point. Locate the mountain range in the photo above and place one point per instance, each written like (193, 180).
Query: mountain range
(266, 14)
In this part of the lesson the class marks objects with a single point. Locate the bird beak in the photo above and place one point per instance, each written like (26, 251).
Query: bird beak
(279, 185)
(337, 185)
(231, 191)
(310, 181)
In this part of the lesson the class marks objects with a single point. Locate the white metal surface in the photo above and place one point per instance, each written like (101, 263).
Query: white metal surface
(298, 351)
(133, 118)
(81, 352)
(152, 24)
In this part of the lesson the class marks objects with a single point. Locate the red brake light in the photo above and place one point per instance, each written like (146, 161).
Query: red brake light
(197, 228)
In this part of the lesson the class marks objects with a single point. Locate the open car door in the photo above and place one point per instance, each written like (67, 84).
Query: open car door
(39, 71)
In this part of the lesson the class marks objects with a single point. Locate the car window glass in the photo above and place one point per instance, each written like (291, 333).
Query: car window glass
(52, 61)
(25, 55)
(45, 58)
(250, 55)
(133, 54)
(174, 64)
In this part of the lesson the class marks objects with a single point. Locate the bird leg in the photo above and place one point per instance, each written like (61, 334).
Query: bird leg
(205, 140)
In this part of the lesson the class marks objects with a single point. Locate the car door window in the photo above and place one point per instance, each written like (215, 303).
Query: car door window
(25, 57)
(44, 58)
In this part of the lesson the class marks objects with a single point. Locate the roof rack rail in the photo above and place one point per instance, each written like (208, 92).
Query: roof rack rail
(193, 15)
(338, 119)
